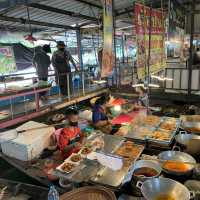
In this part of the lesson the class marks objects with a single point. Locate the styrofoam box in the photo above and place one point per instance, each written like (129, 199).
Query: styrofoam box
(28, 145)
(86, 114)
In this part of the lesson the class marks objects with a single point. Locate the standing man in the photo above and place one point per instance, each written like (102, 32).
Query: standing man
(100, 56)
(41, 61)
(60, 61)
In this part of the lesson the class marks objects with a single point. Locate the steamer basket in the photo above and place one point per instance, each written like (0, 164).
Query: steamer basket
(89, 193)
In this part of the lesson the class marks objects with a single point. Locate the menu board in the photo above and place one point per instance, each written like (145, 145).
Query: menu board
(157, 46)
(7, 60)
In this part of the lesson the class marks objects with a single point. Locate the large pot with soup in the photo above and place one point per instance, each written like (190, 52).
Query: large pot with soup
(146, 169)
(177, 163)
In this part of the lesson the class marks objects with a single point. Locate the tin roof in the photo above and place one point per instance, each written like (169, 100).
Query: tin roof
(60, 15)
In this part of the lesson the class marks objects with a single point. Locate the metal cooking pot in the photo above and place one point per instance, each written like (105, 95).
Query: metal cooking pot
(191, 142)
(177, 156)
(154, 188)
(147, 163)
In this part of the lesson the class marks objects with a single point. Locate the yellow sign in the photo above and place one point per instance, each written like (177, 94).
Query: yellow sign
(157, 45)
(107, 60)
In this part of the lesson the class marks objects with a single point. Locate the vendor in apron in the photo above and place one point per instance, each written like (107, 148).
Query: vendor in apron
(71, 138)
(99, 116)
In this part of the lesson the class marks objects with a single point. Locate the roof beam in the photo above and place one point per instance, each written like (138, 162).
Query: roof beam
(126, 11)
(17, 28)
(60, 11)
(130, 9)
(86, 24)
(32, 22)
(90, 4)
(4, 4)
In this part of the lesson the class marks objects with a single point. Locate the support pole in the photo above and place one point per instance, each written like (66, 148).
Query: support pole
(191, 47)
(115, 48)
(122, 43)
(78, 35)
(149, 57)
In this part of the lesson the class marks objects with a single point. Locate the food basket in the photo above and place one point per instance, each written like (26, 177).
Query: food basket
(89, 193)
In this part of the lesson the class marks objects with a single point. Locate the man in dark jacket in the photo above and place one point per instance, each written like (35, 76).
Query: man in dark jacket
(41, 61)
(61, 62)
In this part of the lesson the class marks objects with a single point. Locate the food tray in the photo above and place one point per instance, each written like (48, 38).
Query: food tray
(147, 121)
(74, 154)
(59, 168)
(173, 134)
(89, 169)
(152, 121)
(135, 135)
(115, 179)
(94, 144)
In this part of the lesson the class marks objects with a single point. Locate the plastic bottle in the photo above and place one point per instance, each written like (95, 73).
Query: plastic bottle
(53, 193)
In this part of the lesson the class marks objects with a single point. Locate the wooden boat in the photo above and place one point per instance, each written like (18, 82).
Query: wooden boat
(17, 190)
(32, 170)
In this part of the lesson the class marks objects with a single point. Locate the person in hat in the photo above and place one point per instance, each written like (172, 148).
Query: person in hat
(61, 62)
(41, 61)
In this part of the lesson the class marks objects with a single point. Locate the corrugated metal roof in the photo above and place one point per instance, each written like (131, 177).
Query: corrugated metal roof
(52, 17)
(44, 16)
(76, 6)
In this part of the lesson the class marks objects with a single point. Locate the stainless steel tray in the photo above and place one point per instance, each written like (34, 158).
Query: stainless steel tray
(114, 179)
(173, 134)
(149, 140)
(88, 170)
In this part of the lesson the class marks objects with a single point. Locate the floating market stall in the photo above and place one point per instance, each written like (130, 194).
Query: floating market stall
(116, 162)
(150, 157)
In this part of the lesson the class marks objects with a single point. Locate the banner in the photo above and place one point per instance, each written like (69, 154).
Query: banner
(7, 60)
(176, 18)
(157, 47)
(107, 58)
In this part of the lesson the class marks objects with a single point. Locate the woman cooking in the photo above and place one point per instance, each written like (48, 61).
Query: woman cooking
(100, 117)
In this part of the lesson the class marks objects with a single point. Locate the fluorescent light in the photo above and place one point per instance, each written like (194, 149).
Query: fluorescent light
(146, 86)
(168, 79)
(100, 81)
(154, 85)
(161, 78)
(138, 85)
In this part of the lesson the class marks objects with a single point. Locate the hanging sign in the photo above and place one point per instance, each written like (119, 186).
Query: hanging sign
(157, 47)
(176, 16)
(107, 58)
(7, 60)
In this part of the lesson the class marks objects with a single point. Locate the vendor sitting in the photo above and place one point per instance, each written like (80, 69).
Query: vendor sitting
(71, 138)
(100, 118)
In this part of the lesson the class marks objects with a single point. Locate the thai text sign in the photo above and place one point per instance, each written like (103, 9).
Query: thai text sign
(107, 60)
(157, 46)
(7, 60)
